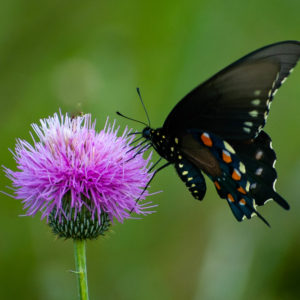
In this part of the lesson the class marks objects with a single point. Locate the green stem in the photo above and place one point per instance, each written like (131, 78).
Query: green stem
(81, 273)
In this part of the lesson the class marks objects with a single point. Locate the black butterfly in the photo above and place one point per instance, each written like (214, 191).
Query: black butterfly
(217, 129)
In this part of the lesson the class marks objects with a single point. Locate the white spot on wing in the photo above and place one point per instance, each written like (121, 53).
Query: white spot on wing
(255, 102)
(253, 186)
(259, 154)
(249, 124)
(258, 171)
(257, 92)
(268, 200)
(248, 186)
(228, 147)
(274, 183)
(253, 113)
(270, 93)
(246, 129)
(242, 167)
(254, 204)
(269, 104)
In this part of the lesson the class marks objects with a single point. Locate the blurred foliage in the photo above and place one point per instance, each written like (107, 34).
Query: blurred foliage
(90, 56)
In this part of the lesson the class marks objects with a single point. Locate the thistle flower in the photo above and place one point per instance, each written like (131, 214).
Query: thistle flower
(80, 180)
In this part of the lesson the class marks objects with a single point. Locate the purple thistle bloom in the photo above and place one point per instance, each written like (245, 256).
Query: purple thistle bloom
(71, 162)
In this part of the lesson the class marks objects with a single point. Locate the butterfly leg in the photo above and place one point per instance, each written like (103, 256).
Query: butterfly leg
(140, 151)
(147, 185)
(155, 164)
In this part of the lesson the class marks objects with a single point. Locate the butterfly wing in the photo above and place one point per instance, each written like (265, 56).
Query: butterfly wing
(235, 102)
(260, 158)
(244, 176)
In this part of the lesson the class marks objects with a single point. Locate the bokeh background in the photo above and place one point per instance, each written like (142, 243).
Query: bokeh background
(90, 56)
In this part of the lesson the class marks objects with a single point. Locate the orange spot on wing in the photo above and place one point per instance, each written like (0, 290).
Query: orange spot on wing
(217, 185)
(226, 157)
(242, 201)
(236, 175)
(241, 190)
(206, 139)
(230, 198)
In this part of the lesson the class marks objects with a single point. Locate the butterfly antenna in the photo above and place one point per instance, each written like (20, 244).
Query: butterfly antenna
(140, 96)
(134, 133)
(121, 115)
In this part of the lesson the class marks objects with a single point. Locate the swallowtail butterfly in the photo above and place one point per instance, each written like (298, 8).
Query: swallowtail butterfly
(216, 129)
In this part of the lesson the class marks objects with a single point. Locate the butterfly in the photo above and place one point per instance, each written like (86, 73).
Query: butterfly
(216, 129)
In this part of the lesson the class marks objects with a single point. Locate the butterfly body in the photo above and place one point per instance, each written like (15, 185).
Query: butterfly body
(165, 145)
(168, 147)
(217, 129)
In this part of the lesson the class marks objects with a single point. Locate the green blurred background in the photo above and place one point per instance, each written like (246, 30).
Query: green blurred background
(90, 56)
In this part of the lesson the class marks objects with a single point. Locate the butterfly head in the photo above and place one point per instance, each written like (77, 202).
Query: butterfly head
(155, 136)
(147, 133)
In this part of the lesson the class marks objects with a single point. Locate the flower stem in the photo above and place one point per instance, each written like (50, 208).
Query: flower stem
(81, 273)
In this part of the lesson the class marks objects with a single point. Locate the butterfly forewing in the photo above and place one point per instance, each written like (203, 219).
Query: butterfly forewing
(235, 102)
(286, 54)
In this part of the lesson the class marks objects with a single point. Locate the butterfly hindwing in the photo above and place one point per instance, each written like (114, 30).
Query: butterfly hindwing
(227, 171)
(259, 157)
(235, 102)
